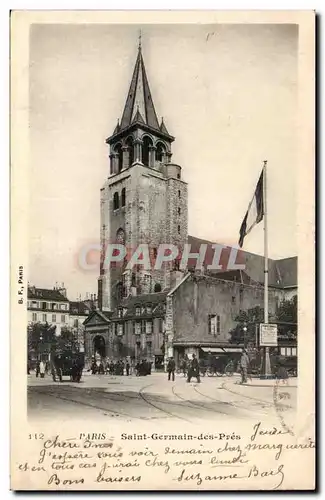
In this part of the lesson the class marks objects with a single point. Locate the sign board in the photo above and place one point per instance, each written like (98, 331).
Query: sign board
(268, 335)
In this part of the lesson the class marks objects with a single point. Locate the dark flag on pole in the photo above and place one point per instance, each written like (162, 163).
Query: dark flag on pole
(255, 211)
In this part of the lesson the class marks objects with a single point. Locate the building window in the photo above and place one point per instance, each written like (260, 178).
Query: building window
(214, 324)
(147, 283)
(149, 349)
(157, 288)
(120, 312)
(148, 327)
(179, 211)
(120, 329)
(125, 311)
(53, 305)
(137, 311)
(43, 305)
(116, 201)
(34, 317)
(233, 299)
(143, 310)
(137, 327)
(44, 318)
(179, 229)
(178, 176)
(76, 323)
(123, 198)
(63, 318)
(149, 309)
(179, 193)
(53, 318)
(161, 325)
(62, 307)
(160, 152)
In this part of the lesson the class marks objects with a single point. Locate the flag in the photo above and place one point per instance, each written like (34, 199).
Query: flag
(255, 211)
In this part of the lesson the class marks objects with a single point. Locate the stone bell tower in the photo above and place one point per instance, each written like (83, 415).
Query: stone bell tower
(144, 199)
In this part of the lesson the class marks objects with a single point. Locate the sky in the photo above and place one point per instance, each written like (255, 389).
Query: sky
(228, 94)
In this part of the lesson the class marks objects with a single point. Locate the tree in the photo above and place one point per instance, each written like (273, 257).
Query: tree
(286, 316)
(67, 340)
(246, 320)
(40, 338)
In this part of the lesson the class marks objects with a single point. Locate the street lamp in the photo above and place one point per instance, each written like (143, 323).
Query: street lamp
(41, 344)
(245, 331)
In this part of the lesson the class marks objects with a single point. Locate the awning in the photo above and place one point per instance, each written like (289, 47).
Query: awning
(221, 349)
(212, 349)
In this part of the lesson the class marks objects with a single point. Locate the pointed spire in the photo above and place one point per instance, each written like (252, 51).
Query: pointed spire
(162, 127)
(117, 128)
(139, 46)
(139, 97)
(137, 117)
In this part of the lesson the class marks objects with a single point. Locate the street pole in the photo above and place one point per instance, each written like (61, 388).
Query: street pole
(267, 365)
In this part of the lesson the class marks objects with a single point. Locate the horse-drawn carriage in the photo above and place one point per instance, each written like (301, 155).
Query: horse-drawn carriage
(219, 361)
(67, 363)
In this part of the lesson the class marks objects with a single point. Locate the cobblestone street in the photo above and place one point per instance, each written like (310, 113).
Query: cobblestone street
(155, 398)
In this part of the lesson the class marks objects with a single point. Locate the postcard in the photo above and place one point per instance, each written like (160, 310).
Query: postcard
(162, 250)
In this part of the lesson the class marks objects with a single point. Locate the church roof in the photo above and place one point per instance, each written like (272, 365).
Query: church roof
(282, 272)
(139, 104)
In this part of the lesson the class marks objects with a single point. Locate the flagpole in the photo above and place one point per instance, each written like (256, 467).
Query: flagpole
(266, 363)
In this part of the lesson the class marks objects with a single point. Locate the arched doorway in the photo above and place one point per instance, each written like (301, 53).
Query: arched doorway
(99, 346)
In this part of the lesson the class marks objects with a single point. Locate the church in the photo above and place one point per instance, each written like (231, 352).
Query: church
(169, 311)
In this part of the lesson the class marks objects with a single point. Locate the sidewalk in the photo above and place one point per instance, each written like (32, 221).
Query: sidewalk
(291, 382)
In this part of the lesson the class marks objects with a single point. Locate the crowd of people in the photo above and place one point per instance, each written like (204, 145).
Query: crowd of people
(126, 367)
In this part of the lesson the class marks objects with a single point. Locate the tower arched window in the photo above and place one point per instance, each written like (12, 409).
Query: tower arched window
(123, 198)
(160, 152)
(120, 236)
(119, 153)
(147, 144)
(130, 145)
(116, 201)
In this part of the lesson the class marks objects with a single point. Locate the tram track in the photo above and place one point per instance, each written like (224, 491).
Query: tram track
(89, 405)
(195, 404)
(266, 404)
(157, 407)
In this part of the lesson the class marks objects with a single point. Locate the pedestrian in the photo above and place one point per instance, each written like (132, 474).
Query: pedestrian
(194, 370)
(244, 362)
(37, 368)
(183, 366)
(171, 368)
(127, 368)
(42, 369)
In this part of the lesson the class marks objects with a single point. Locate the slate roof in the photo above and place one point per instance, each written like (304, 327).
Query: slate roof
(282, 272)
(155, 300)
(139, 107)
(80, 308)
(45, 294)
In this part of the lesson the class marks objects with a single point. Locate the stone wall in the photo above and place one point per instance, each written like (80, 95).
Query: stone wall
(197, 298)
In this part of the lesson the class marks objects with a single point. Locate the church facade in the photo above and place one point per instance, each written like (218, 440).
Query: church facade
(153, 313)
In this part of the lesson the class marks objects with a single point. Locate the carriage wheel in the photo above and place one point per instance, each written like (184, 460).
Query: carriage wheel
(229, 370)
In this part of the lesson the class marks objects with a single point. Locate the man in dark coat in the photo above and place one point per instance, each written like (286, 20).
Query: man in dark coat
(171, 368)
(194, 370)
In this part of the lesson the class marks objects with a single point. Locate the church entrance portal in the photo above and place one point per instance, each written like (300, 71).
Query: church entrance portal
(99, 346)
